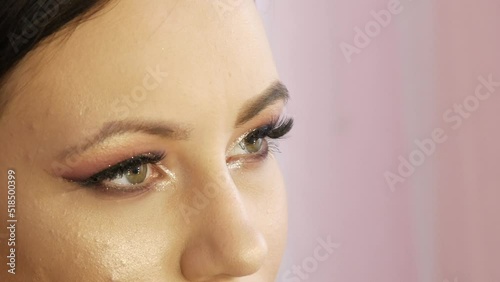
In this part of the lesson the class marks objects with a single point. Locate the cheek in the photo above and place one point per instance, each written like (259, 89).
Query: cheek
(138, 254)
(52, 241)
(67, 235)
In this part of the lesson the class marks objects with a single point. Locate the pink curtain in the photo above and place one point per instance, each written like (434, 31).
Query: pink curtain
(394, 157)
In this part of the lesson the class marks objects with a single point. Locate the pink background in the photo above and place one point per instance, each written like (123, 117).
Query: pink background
(354, 119)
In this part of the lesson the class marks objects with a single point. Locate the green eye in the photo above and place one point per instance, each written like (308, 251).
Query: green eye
(252, 145)
(136, 175)
(255, 145)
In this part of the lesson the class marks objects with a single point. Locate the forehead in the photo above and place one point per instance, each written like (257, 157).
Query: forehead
(189, 53)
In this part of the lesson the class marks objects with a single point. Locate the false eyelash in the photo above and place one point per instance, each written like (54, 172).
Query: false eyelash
(119, 169)
(276, 129)
(273, 147)
(280, 128)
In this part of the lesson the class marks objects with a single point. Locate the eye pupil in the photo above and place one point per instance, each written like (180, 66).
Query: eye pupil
(137, 175)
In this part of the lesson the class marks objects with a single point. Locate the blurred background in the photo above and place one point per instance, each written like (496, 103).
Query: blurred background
(393, 168)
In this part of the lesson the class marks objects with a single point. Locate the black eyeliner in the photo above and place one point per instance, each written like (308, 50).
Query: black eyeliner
(119, 169)
(275, 129)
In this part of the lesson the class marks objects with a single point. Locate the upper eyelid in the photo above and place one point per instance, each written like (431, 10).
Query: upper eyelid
(100, 176)
(272, 126)
(114, 169)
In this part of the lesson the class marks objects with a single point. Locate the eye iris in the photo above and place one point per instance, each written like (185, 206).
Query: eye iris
(253, 145)
(137, 175)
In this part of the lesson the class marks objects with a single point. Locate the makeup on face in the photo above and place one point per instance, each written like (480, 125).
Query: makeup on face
(204, 136)
(134, 169)
(142, 172)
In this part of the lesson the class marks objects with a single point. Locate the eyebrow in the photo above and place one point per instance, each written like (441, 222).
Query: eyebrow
(114, 128)
(276, 91)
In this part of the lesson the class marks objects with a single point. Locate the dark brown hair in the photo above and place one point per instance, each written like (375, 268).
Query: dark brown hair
(25, 23)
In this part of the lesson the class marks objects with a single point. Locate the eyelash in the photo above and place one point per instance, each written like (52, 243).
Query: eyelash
(119, 169)
(276, 129)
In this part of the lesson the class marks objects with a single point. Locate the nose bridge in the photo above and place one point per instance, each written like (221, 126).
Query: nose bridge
(226, 242)
(209, 183)
(218, 200)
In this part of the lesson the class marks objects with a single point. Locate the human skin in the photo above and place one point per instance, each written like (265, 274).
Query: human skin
(209, 66)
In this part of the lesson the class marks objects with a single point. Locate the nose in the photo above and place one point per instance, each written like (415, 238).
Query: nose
(225, 242)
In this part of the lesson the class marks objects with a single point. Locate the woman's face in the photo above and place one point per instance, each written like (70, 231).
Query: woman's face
(129, 139)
